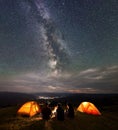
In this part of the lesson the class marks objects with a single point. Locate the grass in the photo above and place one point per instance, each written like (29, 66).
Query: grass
(107, 121)
(87, 122)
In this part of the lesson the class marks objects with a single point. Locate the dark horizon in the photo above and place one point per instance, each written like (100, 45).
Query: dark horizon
(17, 99)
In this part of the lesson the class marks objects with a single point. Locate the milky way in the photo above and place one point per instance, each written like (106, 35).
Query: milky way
(51, 38)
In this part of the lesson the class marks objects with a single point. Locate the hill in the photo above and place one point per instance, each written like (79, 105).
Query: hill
(107, 104)
(10, 121)
(14, 98)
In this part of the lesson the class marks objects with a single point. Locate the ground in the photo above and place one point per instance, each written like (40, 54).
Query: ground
(9, 120)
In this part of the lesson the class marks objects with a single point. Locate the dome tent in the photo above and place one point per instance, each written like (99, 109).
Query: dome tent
(30, 108)
(89, 108)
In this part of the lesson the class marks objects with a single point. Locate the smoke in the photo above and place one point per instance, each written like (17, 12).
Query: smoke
(52, 41)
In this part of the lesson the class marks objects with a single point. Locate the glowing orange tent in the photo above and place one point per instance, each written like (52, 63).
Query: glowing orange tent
(88, 108)
(29, 109)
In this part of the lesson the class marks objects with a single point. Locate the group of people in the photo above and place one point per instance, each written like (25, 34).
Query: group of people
(60, 114)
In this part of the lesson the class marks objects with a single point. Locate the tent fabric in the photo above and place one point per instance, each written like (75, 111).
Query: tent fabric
(89, 108)
(29, 108)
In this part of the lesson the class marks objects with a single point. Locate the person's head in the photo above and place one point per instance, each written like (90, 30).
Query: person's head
(45, 104)
(59, 104)
(69, 105)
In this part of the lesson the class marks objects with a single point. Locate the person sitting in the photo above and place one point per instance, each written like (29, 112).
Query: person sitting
(46, 112)
(60, 113)
(70, 111)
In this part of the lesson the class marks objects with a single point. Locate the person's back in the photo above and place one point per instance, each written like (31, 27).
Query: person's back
(60, 113)
(46, 112)
(70, 112)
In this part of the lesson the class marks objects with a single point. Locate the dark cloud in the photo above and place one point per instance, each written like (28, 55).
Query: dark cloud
(97, 80)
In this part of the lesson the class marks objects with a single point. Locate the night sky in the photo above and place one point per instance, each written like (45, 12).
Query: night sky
(59, 46)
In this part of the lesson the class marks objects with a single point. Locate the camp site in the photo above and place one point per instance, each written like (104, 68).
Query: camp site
(92, 112)
(58, 64)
